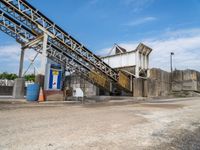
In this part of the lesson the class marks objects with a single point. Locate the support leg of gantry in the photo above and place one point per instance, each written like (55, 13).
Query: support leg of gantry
(40, 78)
(137, 62)
(21, 63)
(18, 89)
(44, 55)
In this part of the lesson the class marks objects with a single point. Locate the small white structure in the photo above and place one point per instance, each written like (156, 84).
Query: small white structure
(135, 62)
(78, 93)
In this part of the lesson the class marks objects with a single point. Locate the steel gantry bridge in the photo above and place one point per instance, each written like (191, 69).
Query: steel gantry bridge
(34, 30)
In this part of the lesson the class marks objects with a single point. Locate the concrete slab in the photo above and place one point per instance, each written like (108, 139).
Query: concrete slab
(18, 89)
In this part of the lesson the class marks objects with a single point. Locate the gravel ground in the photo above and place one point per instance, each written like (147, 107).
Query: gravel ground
(161, 124)
(183, 140)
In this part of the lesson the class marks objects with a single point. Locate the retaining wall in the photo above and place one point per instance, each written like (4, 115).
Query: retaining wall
(76, 81)
(162, 83)
(6, 90)
(186, 80)
(158, 84)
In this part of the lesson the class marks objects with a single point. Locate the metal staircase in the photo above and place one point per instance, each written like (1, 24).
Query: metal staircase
(29, 26)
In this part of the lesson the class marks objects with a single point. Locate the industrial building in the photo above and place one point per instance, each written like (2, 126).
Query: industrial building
(68, 65)
(134, 64)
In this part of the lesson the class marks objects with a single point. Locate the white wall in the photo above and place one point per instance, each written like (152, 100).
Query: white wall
(122, 60)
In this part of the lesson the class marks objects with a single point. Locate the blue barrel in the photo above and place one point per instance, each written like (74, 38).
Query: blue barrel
(32, 92)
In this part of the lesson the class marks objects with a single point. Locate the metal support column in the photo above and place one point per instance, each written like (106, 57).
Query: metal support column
(137, 64)
(40, 78)
(171, 67)
(44, 55)
(21, 63)
(18, 88)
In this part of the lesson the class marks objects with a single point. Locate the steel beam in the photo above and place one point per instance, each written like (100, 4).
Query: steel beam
(35, 20)
(21, 63)
(23, 22)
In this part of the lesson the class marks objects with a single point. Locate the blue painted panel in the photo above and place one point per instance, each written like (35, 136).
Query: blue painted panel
(55, 77)
(59, 80)
(51, 79)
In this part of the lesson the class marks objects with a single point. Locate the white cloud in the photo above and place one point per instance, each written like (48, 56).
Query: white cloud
(10, 56)
(141, 21)
(186, 51)
(9, 52)
(182, 32)
(137, 2)
(93, 2)
(138, 5)
(184, 43)
(104, 52)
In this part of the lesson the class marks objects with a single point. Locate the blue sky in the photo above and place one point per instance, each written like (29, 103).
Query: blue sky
(164, 25)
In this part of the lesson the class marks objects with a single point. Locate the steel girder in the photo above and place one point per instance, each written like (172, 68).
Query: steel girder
(53, 42)
(18, 32)
(37, 22)
(14, 29)
(22, 36)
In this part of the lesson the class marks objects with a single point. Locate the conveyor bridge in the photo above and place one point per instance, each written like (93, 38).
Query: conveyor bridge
(30, 27)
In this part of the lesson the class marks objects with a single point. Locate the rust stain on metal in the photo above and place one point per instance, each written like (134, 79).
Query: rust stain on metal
(98, 78)
(124, 81)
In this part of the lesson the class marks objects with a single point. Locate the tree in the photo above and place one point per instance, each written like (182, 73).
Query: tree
(30, 77)
(8, 76)
(12, 76)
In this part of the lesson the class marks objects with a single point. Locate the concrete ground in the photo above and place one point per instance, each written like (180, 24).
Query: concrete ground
(156, 124)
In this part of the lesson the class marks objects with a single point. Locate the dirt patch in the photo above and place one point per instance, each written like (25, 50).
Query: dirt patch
(183, 140)
(108, 104)
(166, 106)
(132, 126)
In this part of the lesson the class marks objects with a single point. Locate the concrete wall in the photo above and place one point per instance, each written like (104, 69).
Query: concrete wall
(158, 84)
(186, 80)
(5, 82)
(121, 60)
(13, 90)
(138, 87)
(162, 83)
(79, 82)
(6, 90)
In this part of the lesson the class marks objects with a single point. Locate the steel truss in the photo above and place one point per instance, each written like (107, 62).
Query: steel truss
(22, 36)
(37, 22)
(24, 23)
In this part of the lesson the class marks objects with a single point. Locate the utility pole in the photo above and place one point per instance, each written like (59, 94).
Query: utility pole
(171, 67)
(171, 61)
(18, 88)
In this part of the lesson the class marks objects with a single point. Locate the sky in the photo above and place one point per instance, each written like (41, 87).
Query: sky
(164, 25)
